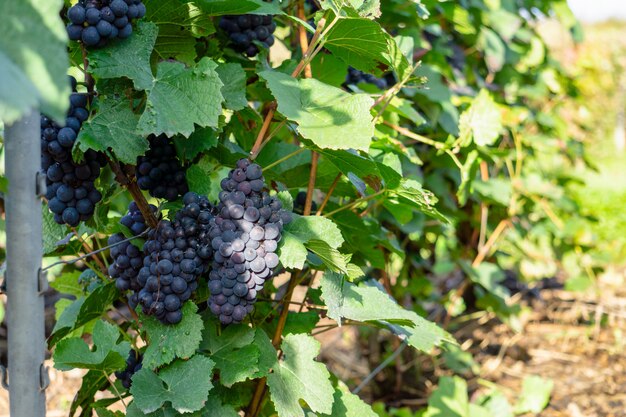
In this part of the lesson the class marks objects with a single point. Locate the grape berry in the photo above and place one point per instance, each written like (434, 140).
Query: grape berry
(133, 365)
(300, 201)
(244, 29)
(355, 77)
(245, 235)
(95, 22)
(160, 172)
(128, 258)
(71, 193)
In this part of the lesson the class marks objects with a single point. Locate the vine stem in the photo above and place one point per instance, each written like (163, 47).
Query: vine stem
(309, 191)
(355, 203)
(135, 192)
(90, 251)
(329, 194)
(415, 136)
(284, 158)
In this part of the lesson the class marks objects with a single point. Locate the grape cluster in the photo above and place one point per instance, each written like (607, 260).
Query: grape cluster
(244, 29)
(160, 172)
(300, 201)
(176, 254)
(134, 220)
(71, 193)
(355, 77)
(133, 365)
(245, 235)
(94, 22)
(128, 258)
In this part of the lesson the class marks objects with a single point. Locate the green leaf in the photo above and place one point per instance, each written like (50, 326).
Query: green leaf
(33, 59)
(306, 228)
(493, 48)
(233, 351)
(168, 342)
(319, 234)
(234, 85)
(130, 58)
(107, 355)
(346, 404)
(449, 399)
(489, 276)
(330, 256)
(370, 304)
(351, 163)
(52, 231)
(67, 283)
(222, 7)
(83, 310)
(204, 177)
(180, 23)
(185, 384)
(535, 395)
(92, 382)
(292, 252)
(202, 139)
(410, 192)
(113, 127)
(298, 376)
(181, 97)
(360, 42)
(481, 122)
(498, 405)
(323, 113)
(496, 190)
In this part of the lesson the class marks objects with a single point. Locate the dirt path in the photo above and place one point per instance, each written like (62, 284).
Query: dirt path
(576, 341)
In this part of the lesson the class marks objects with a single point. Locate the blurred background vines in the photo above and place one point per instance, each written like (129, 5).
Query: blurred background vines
(436, 175)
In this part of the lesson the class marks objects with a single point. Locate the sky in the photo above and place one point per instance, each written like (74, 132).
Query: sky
(598, 10)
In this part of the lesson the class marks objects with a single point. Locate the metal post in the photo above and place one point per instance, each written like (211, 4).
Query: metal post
(25, 304)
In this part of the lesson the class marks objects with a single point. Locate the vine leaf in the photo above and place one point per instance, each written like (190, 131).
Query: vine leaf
(52, 231)
(113, 127)
(323, 112)
(130, 58)
(370, 304)
(168, 342)
(33, 59)
(185, 384)
(233, 351)
(346, 404)
(298, 376)
(315, 227)
(303, 230)
(364, 45)
(234, 90)
(92, 382)
(292, 252)
(181, 97)
(481, 122)
(222, 7)
(107, 355)
(82, 311)
(449, 399)
(213, 408)
(410, 192)
(180, 23)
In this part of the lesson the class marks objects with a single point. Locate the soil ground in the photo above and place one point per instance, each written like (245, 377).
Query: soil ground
(575, 339)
